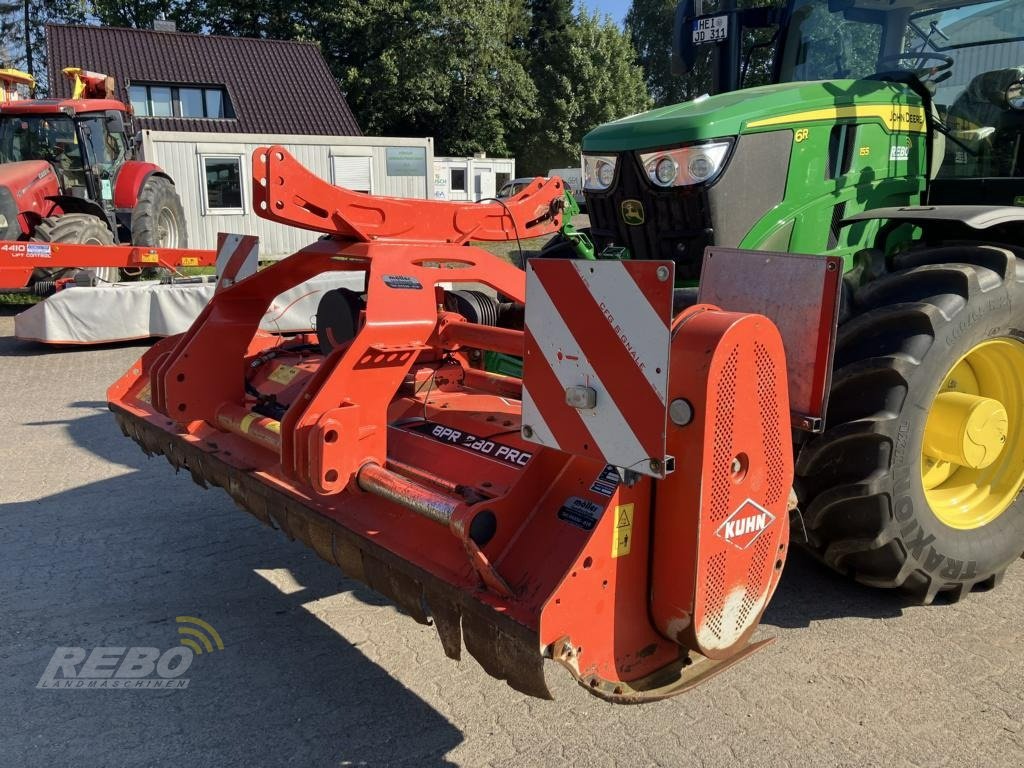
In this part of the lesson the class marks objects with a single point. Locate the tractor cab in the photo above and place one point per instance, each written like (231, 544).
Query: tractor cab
(820, 111)
(85, 147)
(965, 60)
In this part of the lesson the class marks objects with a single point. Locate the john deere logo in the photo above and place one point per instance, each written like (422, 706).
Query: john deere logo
(632, 212)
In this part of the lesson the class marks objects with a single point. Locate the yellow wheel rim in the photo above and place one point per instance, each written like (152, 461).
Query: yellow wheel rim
(972, 455)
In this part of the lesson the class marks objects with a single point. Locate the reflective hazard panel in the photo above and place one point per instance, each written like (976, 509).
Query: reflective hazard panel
(595, 369)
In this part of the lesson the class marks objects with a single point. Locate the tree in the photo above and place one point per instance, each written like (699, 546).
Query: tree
(438, 68)
(649, 24)
(22, 26)
(140, 14)
(591, 79)
(609, 80)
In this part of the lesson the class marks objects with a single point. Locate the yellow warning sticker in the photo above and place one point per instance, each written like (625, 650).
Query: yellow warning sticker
(622, 533)
(189, 261)
(149, 258)
(247, 421)
(284, 374)
(144, 395)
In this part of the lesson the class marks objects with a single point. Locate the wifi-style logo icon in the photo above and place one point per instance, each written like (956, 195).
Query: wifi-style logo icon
(198, 635)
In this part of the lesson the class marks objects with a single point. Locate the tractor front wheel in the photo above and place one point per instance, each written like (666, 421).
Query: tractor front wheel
(159, 218)
(74, 228)
(915, 483)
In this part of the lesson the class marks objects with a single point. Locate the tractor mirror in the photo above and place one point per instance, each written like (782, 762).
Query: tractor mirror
(684, 52)
(115, 121)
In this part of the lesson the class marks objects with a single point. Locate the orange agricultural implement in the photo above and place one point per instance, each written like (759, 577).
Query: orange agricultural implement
(18, 260)
(622, 508)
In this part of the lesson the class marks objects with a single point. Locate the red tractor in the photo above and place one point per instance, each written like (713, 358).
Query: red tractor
(69, 174)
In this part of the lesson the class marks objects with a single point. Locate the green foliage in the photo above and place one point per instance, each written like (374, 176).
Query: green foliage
(508, 77)
(438, 68)
(30, 54)
(586, 74)
(649, 24)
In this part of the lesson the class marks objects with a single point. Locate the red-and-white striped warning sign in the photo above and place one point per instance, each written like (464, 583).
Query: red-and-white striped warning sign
(237, 258)
(595, 373)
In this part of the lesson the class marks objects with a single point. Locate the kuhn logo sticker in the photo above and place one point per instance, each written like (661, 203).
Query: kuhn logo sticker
(744, 526)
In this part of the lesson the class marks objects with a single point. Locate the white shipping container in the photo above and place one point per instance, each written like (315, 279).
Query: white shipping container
(471, 178)
(212, 173)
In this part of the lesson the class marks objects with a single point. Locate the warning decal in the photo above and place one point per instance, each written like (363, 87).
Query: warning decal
(580, 512)
(284, 374)
(606, 482)
(622, 533)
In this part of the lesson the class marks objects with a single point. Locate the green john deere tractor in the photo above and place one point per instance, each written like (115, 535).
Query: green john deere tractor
(891, 135)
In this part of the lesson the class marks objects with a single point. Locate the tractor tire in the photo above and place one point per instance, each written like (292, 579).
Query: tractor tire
(74, 228)
(159, 218)
(876, 505)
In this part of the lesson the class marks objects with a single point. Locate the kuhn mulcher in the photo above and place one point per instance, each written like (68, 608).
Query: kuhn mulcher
(548, 516)
(623, 506)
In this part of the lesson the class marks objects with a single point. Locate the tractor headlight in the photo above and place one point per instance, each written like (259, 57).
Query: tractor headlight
(598, 171)
(682, 167)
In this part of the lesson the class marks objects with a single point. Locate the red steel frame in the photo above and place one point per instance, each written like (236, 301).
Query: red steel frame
(19, 258)
(438, 523)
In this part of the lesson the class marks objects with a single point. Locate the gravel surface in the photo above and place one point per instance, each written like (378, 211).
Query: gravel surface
(100, 546)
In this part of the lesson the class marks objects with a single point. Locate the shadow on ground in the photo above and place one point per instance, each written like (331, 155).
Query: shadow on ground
(809, 591)
(113, 562)
(11, 346)
(147, 546)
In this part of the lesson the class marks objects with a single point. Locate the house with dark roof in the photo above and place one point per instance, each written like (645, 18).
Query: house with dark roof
(207, 83)
(202, 104)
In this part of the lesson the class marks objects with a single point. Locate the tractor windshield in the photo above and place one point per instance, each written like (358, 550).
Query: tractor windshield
(39, 137)
(970, 57)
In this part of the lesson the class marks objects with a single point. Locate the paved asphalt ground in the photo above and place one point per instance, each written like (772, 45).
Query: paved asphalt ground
(101, 547)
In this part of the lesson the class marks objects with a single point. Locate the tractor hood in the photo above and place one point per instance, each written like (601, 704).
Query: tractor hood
(17, 176)
(730, 114)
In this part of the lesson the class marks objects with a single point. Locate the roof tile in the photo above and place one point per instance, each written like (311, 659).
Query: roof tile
(274, 86)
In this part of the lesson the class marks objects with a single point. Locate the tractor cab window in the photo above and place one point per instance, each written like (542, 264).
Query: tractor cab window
(39, 137)
(44, 137)
(972, 60)
(105, 151)
(825, 45)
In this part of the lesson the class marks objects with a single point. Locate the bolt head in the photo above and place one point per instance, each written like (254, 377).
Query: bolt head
(527, 431)
(662, 273)
(680, 412)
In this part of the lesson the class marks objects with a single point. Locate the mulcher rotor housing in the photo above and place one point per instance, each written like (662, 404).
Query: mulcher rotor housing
(622, 508)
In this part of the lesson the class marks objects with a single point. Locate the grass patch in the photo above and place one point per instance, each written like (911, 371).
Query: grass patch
(19, 299)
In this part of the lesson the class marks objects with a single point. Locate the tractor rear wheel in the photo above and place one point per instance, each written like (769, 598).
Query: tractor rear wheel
(74, 228)
(915, 482)
(159, 218)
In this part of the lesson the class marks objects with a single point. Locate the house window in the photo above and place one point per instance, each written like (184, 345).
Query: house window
(458, 180)
(152, 100)
(160, 101)
(223, 184)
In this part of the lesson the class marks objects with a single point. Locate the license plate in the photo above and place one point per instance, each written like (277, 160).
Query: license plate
(710, 29)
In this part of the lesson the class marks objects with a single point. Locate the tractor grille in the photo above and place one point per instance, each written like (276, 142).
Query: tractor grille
(677, 221)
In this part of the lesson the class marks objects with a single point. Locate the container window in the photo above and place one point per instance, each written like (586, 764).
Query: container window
(223, 184)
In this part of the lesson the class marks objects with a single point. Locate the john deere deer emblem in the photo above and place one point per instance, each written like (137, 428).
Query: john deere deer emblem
(632, 212)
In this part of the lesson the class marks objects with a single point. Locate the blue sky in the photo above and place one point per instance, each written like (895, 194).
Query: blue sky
(614, 8)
